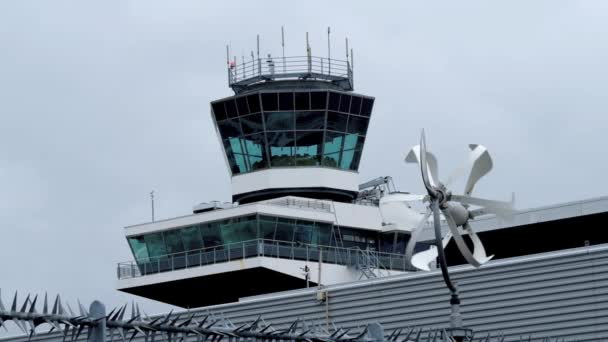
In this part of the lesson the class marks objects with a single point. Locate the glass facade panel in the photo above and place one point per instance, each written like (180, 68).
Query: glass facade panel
(252, 123)
(229, 128)
(366, 106)
(310, 120)
(231, 108)
(357, 124)
(345, 103)
(155, 244)
(282, 148)
(308, 148)
(355, 105)
(173, 241)
(270, 101)
(334, 101)
(302, 101)
(303, 232)
(318, 100)
(285, 101)
(210, 232)
(262, 136)
(284, 230)
(254, 103)
(241, 105)
(191, 237)
(239, 229)
(138, 247)
(219, 111)
(267, 226)
(280, 121)
(336, 121)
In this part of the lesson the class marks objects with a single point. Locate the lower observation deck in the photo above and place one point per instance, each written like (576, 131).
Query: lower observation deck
(230, 272)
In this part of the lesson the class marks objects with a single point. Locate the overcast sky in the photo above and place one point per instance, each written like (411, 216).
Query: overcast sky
(100, 103)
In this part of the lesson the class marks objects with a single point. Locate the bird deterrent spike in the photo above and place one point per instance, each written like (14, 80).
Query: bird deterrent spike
(2, 307)
(24, 306)
(70, 311)
(14, 306)
(81, 308)
(33, 307)
(45, 307)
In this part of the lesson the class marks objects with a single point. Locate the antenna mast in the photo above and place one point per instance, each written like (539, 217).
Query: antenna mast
(283, 46)
(152, 203)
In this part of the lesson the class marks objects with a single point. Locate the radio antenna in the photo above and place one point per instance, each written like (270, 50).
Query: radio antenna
(283, 47)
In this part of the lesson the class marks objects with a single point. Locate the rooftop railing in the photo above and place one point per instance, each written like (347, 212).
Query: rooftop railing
(259, 248)
(281, 68)
(299, 203)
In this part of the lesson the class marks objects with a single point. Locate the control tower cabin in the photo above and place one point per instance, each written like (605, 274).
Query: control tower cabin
(292, 136)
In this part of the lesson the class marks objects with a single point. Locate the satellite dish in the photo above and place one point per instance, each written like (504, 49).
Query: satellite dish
(456, 209)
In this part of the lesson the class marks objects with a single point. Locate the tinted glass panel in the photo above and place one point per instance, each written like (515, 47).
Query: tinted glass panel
(191, 237)
(156, 244)
(333, 142)
(282, 148)
(210, 232)
(366, 106)
(256, 151)
(336, 121)
(357, 124)
(241, 164)
(284, 230)
(318, 100)
(353, 141)
(241, 104)
(347, 159)
(279, 121)
(331, 160)
(239, 229)
(219, 111)
(231, 109)
(334, 101)
(269, 101)
(138, 247)
(229, 128)
(303, 232)
(254, 103)
(267, 226)
(252, 123)
(236, 145)
(173, 241)
(323, 231)
(308, 148)
(302, 101)
(310, 120)
(345, 103)
(355, 105)
(285, 101)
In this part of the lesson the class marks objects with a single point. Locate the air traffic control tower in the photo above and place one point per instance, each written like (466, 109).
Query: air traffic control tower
(292, 136)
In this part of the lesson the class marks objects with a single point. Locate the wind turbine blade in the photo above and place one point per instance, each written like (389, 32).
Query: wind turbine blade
(479, 252)
(422, 260)
(462, 246)
(415, 156)
(492, 206)
(481, 164)
(409, 250)
(401, 197)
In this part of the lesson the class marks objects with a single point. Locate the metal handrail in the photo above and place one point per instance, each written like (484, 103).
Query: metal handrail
(258, 248)
(268, 68)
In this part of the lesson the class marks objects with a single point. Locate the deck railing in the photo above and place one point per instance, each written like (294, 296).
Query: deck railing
(257, 248)
(298, 67)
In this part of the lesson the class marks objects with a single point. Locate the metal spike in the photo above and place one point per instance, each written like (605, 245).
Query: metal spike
(70, 311)
(33, 307)
(174, 320)
(186, 322)
(201, 323)
(55, 306)
(166, 318)
(133, 335)
(14, 306)
(407, 337)
(24, 306)
(2, 308)
(83, 310)
(137, 313)
(45, 307)
(60, 308)
(32, 333)
(66, 331)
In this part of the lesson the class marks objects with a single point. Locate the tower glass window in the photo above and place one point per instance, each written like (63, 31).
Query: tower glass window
(293, 129)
